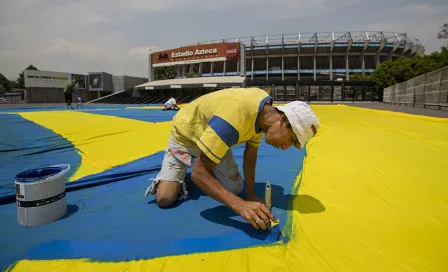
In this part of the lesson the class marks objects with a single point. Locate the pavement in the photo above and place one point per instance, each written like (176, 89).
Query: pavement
(405, 109)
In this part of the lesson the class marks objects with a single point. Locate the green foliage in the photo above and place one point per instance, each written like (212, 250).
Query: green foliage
(5, 83)
(359, 77)
(21, 79)
(389, 73)
(164, 72)
(190, 75)
(193, 74)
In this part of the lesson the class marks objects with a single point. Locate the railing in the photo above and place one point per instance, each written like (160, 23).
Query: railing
(325, 91)
(317, 37)
(427, 90)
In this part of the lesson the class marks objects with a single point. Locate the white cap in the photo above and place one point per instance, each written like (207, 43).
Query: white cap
(303, 121)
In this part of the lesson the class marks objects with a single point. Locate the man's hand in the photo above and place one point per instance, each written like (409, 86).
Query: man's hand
(253, 212)
(256, 214)
(253, 197)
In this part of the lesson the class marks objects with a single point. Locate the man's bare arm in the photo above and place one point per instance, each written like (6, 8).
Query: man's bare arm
(249, 165)
(254, 212)
(202, 177)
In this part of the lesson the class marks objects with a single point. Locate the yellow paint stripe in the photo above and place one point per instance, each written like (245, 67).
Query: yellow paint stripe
(382, 179)
(104, 141)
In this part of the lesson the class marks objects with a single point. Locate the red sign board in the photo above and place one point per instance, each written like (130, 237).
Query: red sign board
(198, 52)
(232, 51)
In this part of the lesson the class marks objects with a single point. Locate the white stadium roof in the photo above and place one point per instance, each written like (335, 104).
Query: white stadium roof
(194, 82)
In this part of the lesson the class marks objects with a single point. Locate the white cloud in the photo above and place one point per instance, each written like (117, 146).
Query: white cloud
(421, 21)
(424, 9)
(142, 52)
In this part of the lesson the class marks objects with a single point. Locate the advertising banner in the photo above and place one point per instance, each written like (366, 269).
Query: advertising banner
(196, 53)
(46, 79)
(96, 81)
(49, 79)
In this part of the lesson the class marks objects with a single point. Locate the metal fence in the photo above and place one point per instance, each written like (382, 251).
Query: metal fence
(325, 91)
(428, 90)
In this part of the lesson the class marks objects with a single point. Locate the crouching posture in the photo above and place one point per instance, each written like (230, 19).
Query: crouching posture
(203, 134)
(171, 104)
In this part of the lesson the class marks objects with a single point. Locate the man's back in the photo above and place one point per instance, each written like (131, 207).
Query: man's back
(219, 119)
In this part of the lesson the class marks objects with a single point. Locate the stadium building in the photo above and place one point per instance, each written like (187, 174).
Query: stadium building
(305, 66)
(48, 86)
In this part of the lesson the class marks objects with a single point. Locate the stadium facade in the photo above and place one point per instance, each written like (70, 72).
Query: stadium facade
(305, 66)
(48, 86)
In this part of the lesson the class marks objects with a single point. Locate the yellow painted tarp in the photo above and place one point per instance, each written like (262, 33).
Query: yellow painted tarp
(381, 177)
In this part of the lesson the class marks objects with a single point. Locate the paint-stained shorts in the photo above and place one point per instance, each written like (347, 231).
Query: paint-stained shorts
(178, 159)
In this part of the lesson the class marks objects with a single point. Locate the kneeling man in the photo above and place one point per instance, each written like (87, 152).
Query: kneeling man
(203, 134)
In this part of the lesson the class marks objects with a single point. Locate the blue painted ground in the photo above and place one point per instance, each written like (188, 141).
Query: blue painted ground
(114, 222)
(88, 107)
(26, 145)
(147, 115)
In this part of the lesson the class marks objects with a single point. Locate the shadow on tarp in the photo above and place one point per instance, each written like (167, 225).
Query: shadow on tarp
(224, 215)
(280, 200)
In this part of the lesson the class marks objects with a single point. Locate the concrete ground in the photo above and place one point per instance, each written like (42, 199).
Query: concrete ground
(367, 105)
(405, 109)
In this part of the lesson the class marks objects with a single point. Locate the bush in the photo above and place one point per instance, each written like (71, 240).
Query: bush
(390, 73)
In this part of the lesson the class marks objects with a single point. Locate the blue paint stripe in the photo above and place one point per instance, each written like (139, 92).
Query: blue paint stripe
(213, 227)
(224, 130)
(260, 108)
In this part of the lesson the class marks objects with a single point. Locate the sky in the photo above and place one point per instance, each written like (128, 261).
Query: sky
(115, 36)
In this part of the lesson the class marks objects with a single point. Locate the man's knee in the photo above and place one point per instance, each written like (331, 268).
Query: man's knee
(167, 193)
(165, 200)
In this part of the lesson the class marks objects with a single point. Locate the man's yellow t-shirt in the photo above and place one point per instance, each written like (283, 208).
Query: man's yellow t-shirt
(217, 121)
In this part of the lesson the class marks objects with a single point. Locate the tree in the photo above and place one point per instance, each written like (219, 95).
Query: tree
(5, 83)
(359, 77)
(164, 72)
(21, 79)
(389, 73)
(443, 32)
(193, 74)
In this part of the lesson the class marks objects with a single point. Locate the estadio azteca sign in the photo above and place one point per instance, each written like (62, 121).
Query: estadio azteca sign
(197, 52)
(215, 52)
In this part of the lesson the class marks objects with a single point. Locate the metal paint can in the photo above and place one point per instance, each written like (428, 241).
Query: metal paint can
(40, 195)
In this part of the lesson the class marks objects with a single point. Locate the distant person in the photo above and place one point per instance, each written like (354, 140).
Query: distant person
(171, 104)
(68, 92)
(202, 137)
(79, 103)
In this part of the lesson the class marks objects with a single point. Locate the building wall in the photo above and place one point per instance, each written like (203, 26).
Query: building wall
(121, 83)
(118, 83)
(107, 81)
(55, 95)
